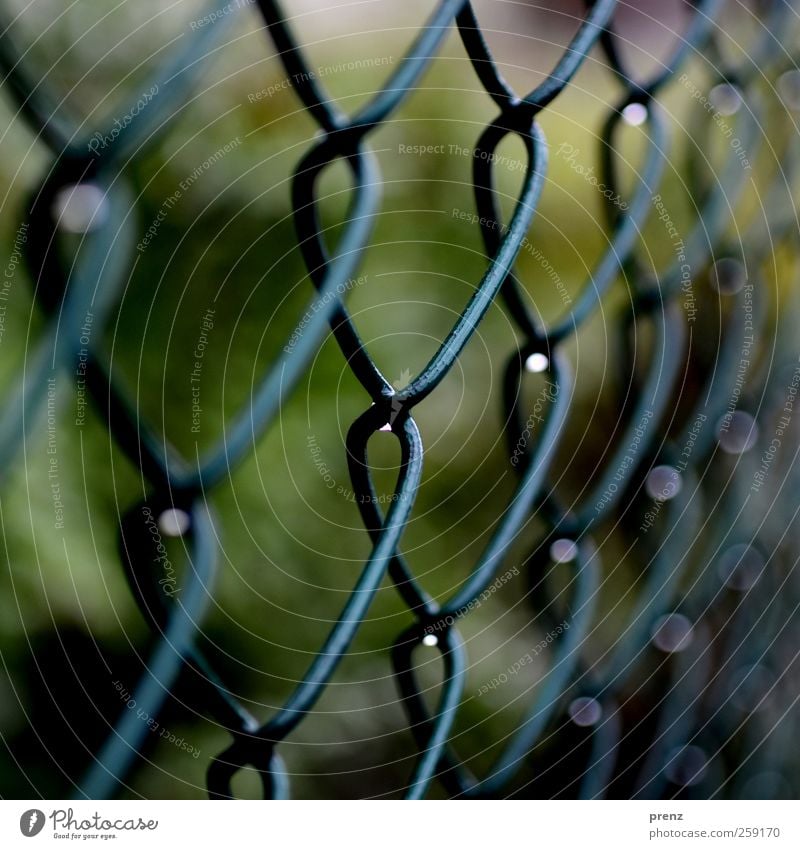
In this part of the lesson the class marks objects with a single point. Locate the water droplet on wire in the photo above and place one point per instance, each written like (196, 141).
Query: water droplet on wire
(725, 98)
(686, 766)
(737, 432)
(585, 711)
(728, 276)
(634, 114)
(767, 785)
(789, 88)
(673, 633)
(663, 483)
(563, 551)
(174, 522)
(80, 208)
(751, 688)
(740, 567)
(537, 363)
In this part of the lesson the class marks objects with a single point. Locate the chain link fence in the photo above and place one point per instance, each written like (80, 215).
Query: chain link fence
(697, 471)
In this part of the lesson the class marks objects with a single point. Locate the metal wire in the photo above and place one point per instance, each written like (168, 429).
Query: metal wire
(93, 283)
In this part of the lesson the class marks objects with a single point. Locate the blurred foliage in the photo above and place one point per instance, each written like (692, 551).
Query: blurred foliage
(292, 544)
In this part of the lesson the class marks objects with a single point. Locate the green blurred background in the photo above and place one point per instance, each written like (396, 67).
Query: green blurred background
(292, 544)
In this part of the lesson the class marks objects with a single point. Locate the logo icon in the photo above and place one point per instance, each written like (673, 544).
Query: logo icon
(31, 822)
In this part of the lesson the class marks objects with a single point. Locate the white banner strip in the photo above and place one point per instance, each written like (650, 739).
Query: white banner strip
(396, 825)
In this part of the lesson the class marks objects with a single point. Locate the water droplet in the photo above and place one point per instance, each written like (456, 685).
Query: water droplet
(740, 567)
(686, 766)
(585, 711)
(634, 114)
(728, 276)
(767, 785)
(725, 98)
(789, 88)
(737, 432)
(750, 688)
(537, 363)
(563, 551)
(174, 522)
(673, 633)
(663, 483)
(80, 208)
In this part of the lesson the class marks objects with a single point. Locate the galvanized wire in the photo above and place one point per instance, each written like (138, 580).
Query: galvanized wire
(94, 283)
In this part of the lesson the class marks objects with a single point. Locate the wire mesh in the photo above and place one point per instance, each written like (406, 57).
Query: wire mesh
(674, 603)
